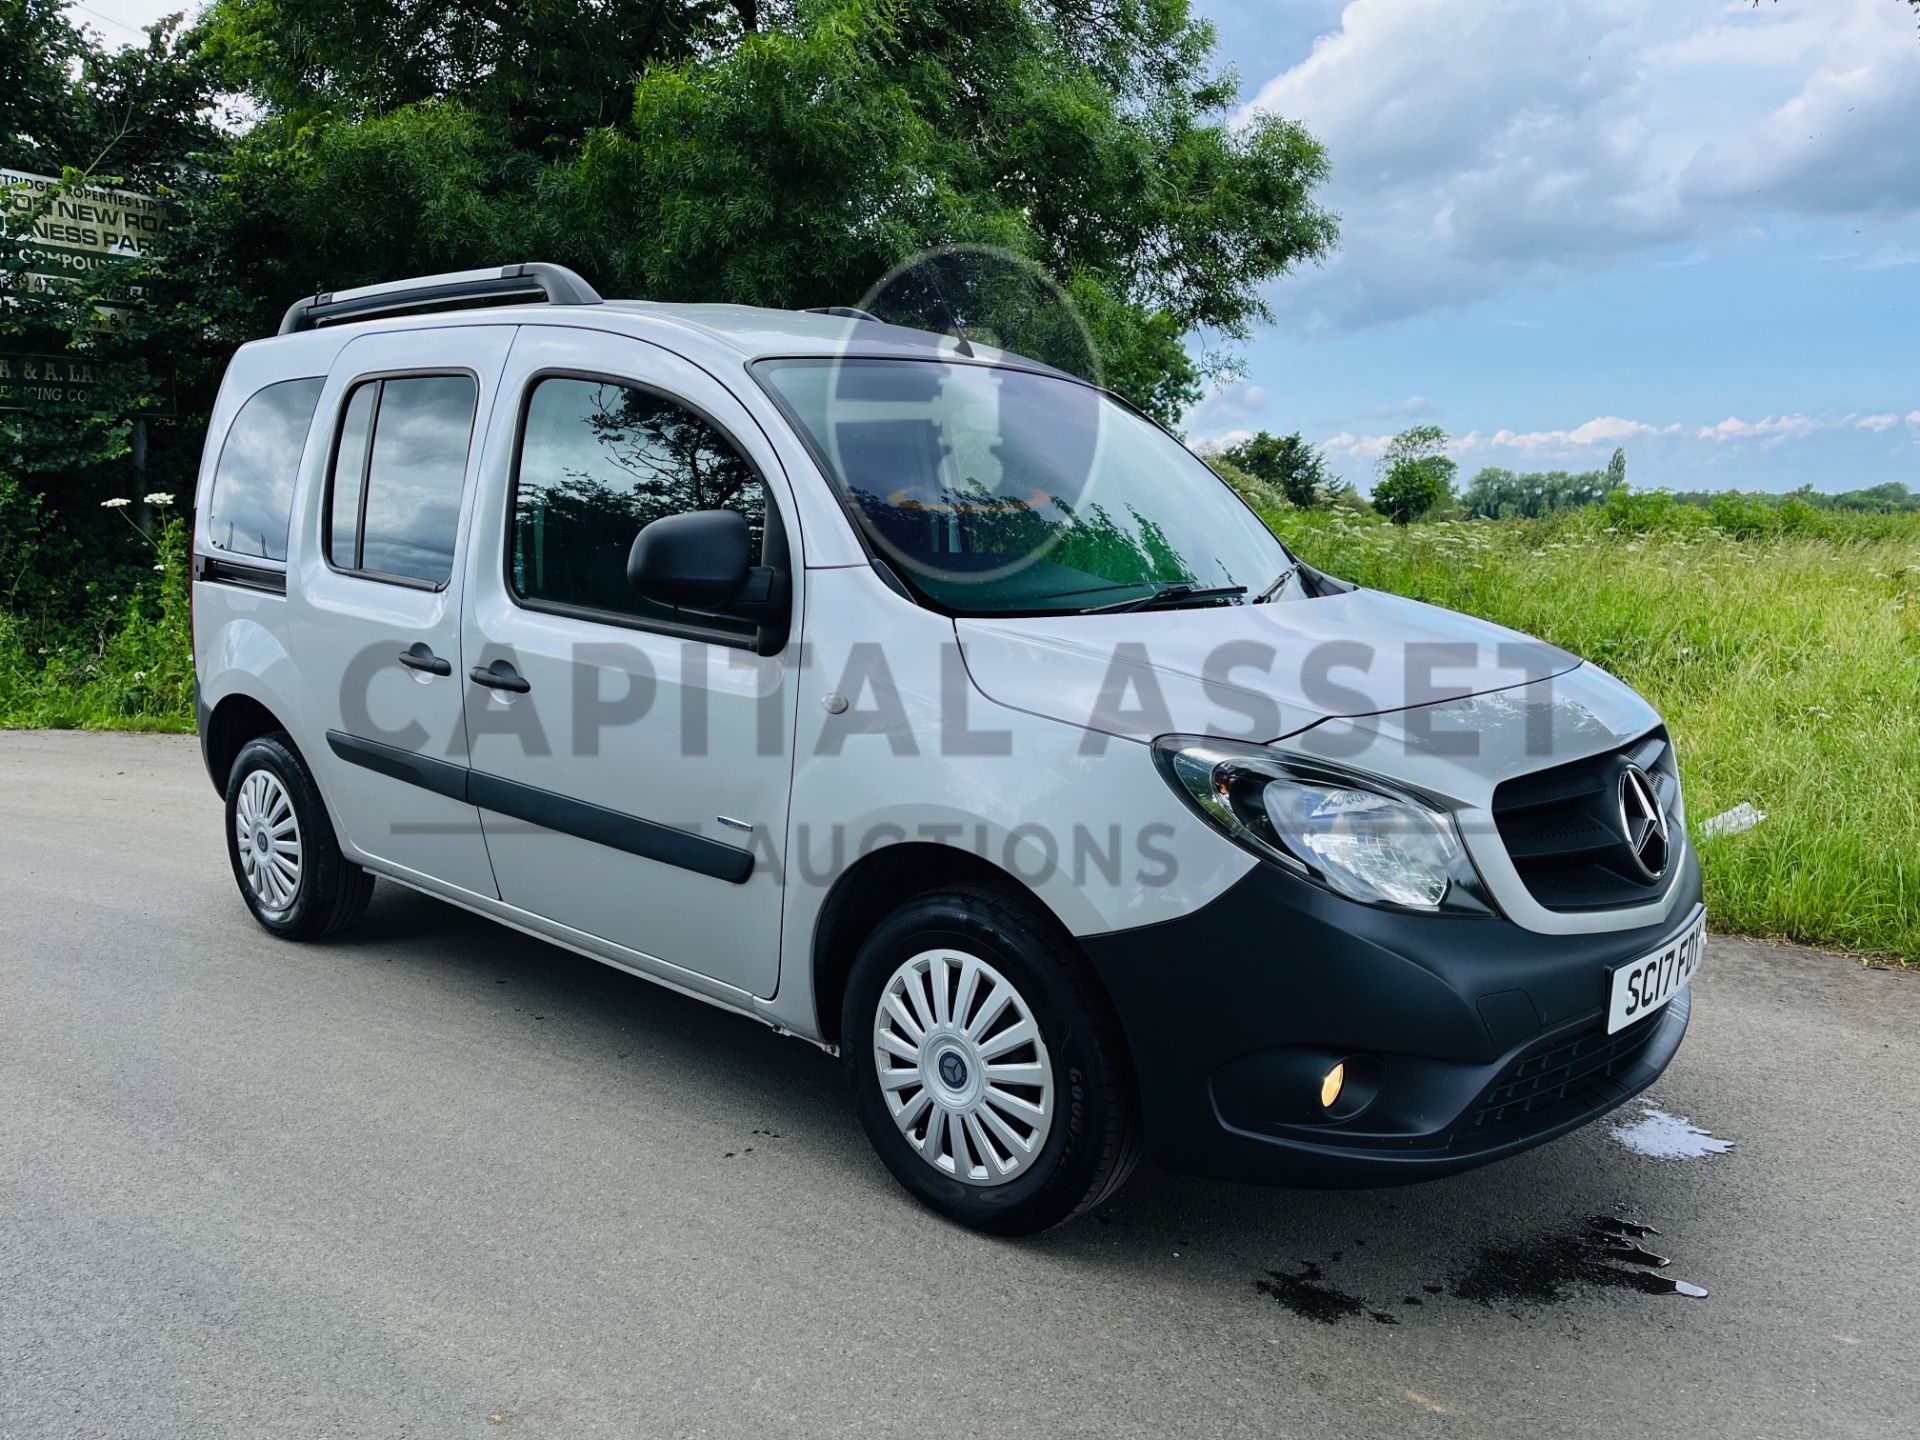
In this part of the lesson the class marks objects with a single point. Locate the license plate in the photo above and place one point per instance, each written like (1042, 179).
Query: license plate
(1651, 982)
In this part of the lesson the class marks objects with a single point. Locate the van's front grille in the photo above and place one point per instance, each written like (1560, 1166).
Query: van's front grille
(1563, 827)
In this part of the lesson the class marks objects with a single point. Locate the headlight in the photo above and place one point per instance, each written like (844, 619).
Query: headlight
(1357, 836)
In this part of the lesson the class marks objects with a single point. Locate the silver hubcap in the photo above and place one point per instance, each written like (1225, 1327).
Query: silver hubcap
(962, 1066)
(268, 835)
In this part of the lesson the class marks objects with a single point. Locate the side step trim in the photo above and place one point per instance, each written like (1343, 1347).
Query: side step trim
(560, 813)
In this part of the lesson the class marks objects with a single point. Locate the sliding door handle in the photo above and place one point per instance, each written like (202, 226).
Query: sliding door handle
(499, 676)
(421, 657)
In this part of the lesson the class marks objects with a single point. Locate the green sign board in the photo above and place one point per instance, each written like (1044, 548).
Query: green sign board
(78, 229)
(76, 232)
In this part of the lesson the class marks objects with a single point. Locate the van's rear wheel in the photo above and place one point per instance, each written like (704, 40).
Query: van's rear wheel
(286, 859)
(984, 1064)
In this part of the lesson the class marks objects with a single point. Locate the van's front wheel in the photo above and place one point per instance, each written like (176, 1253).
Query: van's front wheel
(285, 857)
(985, 1065)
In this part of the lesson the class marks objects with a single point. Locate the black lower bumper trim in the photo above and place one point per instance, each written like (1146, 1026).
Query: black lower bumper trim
(1470, 1039)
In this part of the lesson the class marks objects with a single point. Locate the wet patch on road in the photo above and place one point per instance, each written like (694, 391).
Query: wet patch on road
(1661, 1136)
(1308, 1295)
(1601, 1252)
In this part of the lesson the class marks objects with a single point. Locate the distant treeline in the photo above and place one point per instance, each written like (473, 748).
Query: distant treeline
(1496, 494)
(1415, 482)
(1892, 498)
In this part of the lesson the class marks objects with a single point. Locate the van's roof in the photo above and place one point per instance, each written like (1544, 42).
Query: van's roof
(749, 332)
(742, 333)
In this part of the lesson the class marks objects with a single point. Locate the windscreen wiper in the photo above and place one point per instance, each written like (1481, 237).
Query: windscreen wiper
(1279, 582)
(1179, 590)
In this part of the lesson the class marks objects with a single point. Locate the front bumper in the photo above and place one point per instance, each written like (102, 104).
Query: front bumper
(1470, 1039)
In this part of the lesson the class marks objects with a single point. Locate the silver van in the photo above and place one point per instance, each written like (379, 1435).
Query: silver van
(933, 706)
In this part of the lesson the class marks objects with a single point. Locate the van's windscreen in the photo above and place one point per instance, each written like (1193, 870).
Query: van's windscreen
(1000, 491)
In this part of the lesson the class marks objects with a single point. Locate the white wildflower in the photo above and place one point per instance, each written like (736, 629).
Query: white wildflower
(114, 504)
(160, 568)
(159, 497)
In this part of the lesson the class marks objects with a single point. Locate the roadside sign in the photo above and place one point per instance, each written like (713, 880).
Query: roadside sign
(78, 231)
(48, 382)
(58, 384)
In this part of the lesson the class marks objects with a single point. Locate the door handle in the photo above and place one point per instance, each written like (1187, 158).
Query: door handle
(499, 676)
(421, 657)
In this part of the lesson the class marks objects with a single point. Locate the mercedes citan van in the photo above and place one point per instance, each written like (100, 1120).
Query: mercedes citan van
(936, 707)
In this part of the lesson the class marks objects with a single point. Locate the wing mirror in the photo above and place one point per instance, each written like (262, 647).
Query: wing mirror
(702, 560)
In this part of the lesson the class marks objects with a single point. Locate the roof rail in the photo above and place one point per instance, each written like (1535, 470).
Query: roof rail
(558, 284)
(844, 312)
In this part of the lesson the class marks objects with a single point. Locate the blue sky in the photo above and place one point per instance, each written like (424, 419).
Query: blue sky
(1684, 226)
(1690, 227)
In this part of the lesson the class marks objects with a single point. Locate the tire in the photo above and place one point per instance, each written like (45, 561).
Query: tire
(1027, 1166)
(272, 798)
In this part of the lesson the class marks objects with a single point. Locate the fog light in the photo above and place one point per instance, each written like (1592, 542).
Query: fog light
(1330, 1086)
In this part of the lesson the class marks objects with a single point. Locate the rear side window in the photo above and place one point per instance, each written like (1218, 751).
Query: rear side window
(393, 503)
(253, 483)
(599, 460)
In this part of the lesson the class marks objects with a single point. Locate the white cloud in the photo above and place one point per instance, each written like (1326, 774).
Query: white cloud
(1411, 408)
(1228, 413)
(1484, 144)
(1773, 429)
(1836, 147)
(1784, 42)
(1606, 430)
(1363, 449)
(1591, 441)
(1214, 444)
(1891, 255)
(1914, 419)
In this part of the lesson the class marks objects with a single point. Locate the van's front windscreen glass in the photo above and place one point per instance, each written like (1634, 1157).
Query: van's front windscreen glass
(995, 490)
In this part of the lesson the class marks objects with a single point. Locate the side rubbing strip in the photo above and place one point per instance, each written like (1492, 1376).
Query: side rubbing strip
(645, 838)
(436, 775)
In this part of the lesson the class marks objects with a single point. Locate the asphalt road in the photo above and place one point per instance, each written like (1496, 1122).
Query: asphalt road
(435, 1178)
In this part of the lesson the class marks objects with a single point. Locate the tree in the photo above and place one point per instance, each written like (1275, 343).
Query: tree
(40, 105)
(1498, 494)
(136, 117)
(1287, 463)
(777, 152)
(93, 610)
(1416, 475)
(1408, 492)
(786, 152)
(1617, 465)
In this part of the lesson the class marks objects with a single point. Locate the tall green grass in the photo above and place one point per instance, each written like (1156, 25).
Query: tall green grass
(1786, 663)
(128, 666)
